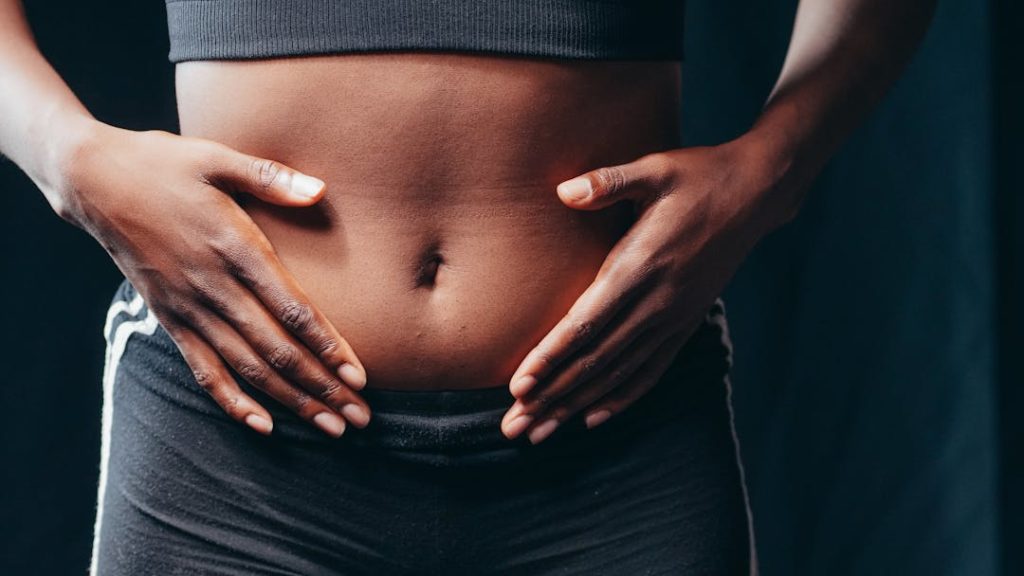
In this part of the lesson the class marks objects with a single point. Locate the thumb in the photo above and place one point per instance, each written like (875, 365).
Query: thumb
(269, 180)
(607, 185)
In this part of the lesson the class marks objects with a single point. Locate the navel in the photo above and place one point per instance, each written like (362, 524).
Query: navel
(427, 267)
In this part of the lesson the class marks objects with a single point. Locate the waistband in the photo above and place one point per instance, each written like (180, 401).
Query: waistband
(437, 427)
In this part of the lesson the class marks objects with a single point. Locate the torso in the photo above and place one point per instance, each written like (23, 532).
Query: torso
(441, 251)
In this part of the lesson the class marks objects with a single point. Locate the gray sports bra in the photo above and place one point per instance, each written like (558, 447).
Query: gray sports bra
(597, 29)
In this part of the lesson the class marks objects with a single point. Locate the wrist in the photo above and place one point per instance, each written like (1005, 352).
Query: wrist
(781, 169)
(71, 144)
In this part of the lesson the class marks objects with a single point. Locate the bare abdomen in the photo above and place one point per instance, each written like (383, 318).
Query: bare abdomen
(441, 250)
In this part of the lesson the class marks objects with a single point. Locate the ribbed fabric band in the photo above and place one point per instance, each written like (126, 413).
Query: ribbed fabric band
(595, 29)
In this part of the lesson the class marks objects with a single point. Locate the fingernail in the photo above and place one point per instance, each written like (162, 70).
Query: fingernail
(352, 376)
(518, 424)
(576, 189)
(330, 423)
(522, 385)
(306, 186)
(543, 430)
(259, 423)
(597, 418)
(356, 414)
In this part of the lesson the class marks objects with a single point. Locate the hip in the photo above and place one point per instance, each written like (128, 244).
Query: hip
(145, 362)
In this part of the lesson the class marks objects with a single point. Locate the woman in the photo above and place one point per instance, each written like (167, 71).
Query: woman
(470, 232)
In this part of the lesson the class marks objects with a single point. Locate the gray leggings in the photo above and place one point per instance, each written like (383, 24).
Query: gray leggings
(431, 486)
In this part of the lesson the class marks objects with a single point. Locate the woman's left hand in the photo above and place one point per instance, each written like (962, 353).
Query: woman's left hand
(699, 211)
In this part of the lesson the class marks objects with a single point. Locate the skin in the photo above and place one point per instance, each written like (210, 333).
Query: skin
(439, 250)
(441, 246)
(701, 210)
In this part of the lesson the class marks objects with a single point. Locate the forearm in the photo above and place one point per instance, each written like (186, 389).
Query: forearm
(41, 120)
(843, 56)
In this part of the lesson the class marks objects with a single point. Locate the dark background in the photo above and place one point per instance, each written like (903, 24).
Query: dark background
(877, 337)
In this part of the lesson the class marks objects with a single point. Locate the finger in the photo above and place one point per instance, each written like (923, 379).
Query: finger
(282, 352)
(211, 375)
(587, 363)
(258, 268)
(637, 180)
(588, 316)
(645, 378)
(265, 179)
(619, 370)
(254, 370)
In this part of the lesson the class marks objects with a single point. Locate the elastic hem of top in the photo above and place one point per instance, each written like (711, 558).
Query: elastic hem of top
(252, 29)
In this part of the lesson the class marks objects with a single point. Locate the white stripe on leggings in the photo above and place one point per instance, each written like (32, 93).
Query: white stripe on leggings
(723, 323)
(114, 350)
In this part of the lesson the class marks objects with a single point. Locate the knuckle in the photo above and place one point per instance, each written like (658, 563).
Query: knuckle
(617, 375)
(206, 291)
(297, 316)
(647, 273)
(204, 378)
(561, 413)
(664, 300)
(209, 157)
(228, 244)
(244, 261)
(264, 172)
(610, 178)
(283, 357)
(300, 400)
(327, 347)
(660, 167)
(171, 326)
(330, 390)
(187, 312)
(231, 404)
(542, 398)
(253, 371)
(656, 311)
(582, 329)
(214, 151)
(588, 366)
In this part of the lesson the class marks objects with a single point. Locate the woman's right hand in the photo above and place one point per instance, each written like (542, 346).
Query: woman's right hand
(162, 206)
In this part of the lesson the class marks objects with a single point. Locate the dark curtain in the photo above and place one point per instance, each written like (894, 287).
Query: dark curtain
(867, 376)
(865, 382)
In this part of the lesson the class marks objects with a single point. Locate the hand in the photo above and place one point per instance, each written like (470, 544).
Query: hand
(162, 207)
(698, 214)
